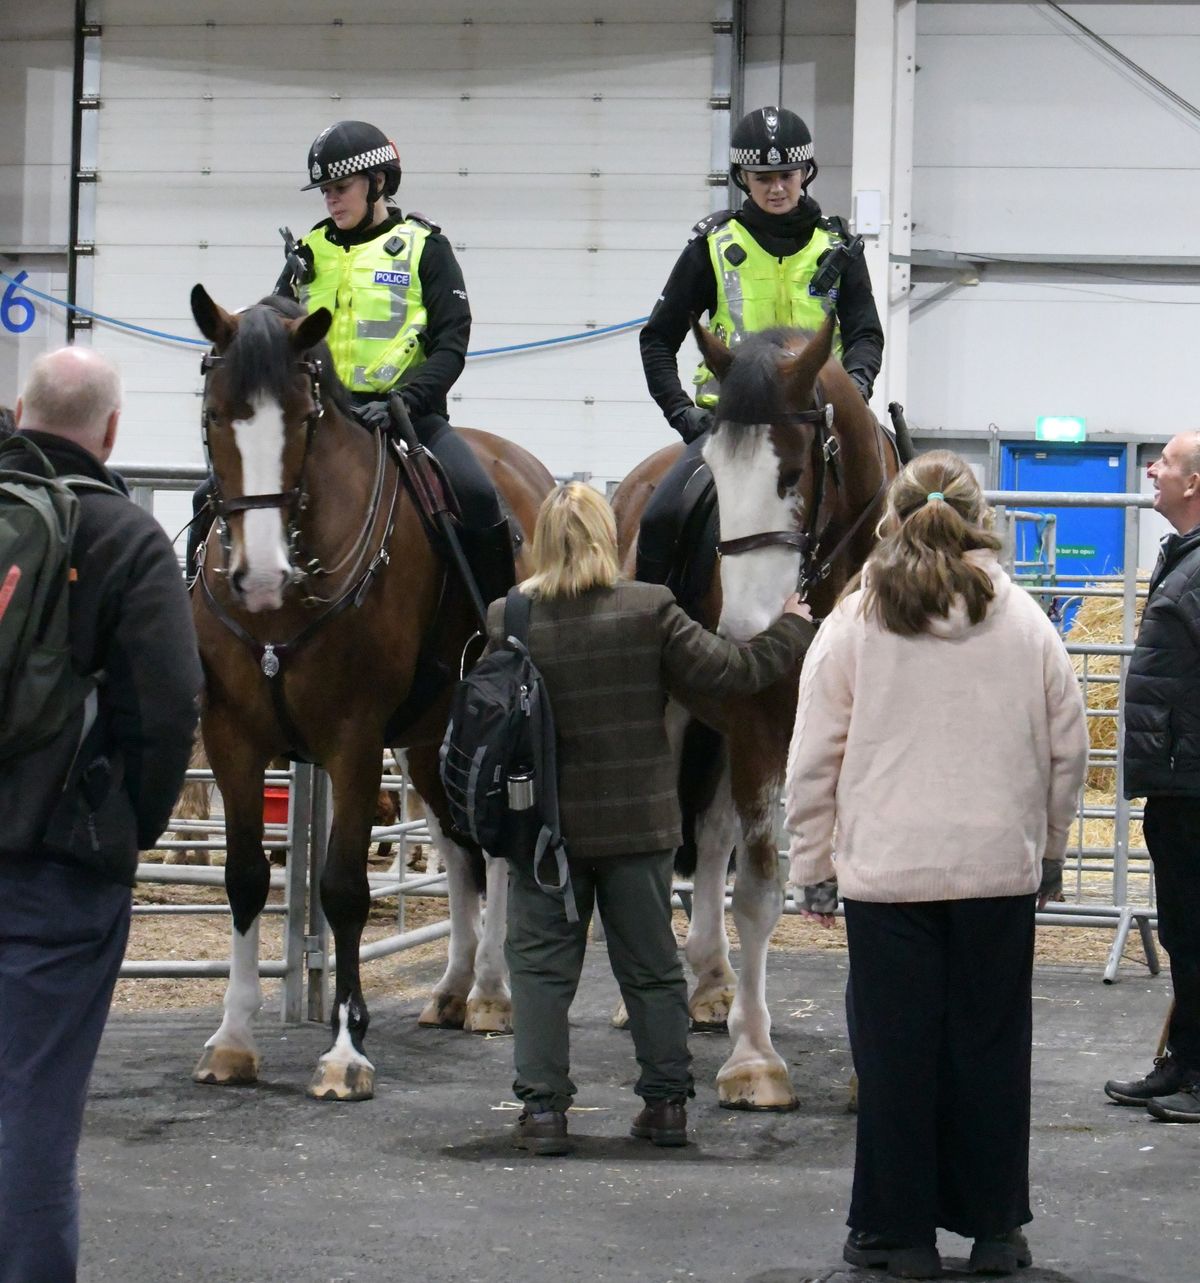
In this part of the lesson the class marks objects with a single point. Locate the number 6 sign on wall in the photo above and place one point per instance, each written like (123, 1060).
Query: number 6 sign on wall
(16, 311)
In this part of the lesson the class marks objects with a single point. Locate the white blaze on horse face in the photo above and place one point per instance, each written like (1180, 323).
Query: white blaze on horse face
(261, 564)
(755, 584)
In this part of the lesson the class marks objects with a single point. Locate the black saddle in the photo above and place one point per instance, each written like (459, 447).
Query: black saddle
(698, 523)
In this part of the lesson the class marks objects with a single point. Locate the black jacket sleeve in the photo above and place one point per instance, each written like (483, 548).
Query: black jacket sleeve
(449, 331)
(152, 674)
(690, 291)
(862, 335)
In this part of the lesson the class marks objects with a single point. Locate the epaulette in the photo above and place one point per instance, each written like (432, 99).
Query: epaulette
(836, 223)
(710, 223)
(414, 217)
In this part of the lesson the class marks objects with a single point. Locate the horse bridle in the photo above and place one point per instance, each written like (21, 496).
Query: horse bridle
(294, 500)
(814, 567)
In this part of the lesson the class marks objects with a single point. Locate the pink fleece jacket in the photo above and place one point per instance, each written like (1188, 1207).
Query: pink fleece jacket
(949, 763)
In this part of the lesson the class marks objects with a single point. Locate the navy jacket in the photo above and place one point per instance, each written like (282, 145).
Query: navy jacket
(1162, 691)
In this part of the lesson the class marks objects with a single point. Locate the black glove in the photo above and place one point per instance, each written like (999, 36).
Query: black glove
(822, 897)
(861, 382)
(1052, 880)
(375, 416)
(691, 422)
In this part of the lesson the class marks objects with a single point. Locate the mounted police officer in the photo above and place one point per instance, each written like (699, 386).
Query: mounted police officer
(777, 261)
(401, 319)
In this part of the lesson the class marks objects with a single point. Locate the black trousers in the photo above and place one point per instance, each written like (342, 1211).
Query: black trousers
(659, 529)
(1172, 830)
(941, 1038)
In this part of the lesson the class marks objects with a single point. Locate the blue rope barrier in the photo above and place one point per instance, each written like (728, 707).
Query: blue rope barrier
(580, 337)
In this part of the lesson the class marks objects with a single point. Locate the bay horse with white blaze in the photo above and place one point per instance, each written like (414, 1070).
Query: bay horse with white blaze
(329, 627)
(800, 467)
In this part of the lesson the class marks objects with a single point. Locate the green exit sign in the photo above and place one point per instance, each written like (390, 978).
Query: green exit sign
(1061, 427)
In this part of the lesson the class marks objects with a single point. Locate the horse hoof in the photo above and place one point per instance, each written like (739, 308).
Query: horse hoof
(765, 1088)
(335, 1080)
(226, 1067)
(710, 1011)
(444, 1011)
(620, 1017)
(488, 1016)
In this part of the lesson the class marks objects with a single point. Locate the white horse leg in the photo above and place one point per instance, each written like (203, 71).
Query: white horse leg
(447, 1008)
(489, 1004)
(231, 1055)
(755, 1075)
(707, 946)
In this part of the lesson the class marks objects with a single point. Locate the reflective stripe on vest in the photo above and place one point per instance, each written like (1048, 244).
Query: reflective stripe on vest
(762, 291)
(375, 297)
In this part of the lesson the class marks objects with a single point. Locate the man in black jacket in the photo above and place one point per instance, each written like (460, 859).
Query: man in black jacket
(1162, 764)
(65, 906)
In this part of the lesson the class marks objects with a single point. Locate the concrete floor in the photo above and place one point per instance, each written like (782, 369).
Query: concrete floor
(256, 1185)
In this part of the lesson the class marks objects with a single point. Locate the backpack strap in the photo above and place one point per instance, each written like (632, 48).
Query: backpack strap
(550, 838)
(517, 609)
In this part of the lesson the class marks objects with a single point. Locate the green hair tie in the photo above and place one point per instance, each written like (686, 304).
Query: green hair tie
(935, 494)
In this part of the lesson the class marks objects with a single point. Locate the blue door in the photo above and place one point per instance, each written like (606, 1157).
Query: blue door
(1089, 541)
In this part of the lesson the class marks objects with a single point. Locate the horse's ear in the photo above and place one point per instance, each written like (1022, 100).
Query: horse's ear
(800, 371)
(212, 320)
(716, 355)
(309, 331)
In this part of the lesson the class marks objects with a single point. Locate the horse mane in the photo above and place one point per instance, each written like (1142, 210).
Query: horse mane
(752, 391)
(262, 360)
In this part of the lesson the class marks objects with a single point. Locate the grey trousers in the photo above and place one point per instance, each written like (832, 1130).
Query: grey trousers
(545, 958)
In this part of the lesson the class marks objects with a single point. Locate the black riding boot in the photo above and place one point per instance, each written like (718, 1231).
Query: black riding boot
(658, 535)
(489, 553)
(202, 520)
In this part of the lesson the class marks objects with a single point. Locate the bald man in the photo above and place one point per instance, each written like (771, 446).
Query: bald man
(1162, 764)
(108, 789)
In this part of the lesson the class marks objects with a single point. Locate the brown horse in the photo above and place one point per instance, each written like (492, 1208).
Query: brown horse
(329, 626)
(801, 467)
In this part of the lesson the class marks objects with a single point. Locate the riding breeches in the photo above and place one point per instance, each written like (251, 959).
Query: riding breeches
(477, 502)
(659, 531)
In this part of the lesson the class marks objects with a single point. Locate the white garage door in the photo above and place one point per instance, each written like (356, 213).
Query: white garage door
(565, 157)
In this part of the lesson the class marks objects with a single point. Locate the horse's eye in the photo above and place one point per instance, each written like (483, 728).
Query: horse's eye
(790, 479)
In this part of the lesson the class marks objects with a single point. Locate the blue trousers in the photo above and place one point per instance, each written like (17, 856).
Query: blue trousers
(62, 938)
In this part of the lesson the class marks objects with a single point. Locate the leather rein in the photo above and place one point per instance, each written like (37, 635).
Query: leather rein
(816, 563)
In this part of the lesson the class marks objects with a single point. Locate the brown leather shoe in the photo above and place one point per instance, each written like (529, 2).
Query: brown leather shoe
(542, 1133)
(663, 1122)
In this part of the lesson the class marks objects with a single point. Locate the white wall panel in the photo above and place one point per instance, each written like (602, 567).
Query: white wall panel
(564, 155)
(1117, 354)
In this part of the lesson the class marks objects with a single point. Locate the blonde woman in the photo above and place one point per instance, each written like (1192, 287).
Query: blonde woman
(941, 729)
(608, 649)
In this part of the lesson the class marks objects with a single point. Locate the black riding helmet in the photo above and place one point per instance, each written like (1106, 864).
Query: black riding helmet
(354, 147)
(771, 140)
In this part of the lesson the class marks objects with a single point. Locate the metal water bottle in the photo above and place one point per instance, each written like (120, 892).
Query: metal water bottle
(520, 790)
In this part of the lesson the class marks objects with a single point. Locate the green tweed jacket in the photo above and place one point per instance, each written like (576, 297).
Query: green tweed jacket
(608, 658)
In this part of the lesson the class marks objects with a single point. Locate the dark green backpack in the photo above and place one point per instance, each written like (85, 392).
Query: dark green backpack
(39, 513)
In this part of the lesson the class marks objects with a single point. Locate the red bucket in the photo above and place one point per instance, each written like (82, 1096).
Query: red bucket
(275, 805)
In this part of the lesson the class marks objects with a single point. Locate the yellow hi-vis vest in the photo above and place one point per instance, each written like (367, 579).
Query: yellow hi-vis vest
(374, 293)
(762, 291)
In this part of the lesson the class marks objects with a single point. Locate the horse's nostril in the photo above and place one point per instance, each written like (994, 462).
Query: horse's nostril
(237, 579)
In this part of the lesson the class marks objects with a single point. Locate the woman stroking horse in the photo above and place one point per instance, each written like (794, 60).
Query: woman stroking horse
(329, 627)
(800, 467)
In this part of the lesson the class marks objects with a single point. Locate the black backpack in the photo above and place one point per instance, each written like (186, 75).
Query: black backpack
(46, 706)
(498, 760)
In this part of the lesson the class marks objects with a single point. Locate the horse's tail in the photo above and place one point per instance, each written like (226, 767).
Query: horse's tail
(904, 441)
(700, 766)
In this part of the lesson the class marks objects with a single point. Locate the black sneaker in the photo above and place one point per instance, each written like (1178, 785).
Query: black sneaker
(901, 1260)
(1166, 1078)
(1000, 1254)
(1182, 1106)
(542, 1133)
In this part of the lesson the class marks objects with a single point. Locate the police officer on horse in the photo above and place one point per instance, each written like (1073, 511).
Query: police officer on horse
(401, 321)
(776, 261)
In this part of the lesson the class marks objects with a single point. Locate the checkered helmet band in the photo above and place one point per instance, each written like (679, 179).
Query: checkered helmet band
(770, 158)
(359, 164)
